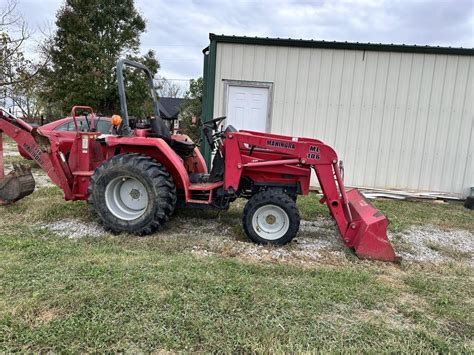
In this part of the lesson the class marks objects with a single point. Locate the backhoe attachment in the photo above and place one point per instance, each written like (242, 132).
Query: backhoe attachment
(18, 184)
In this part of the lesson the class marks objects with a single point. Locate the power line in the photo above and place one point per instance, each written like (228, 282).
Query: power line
(166, 79)
(179, 60)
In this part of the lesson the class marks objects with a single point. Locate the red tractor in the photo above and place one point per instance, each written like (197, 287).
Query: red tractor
(134, 178)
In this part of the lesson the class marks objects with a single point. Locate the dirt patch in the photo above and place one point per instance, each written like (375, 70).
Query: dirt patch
(317, 241)
(46, 316)
(41, 178)
(74, 229)
(10, 149)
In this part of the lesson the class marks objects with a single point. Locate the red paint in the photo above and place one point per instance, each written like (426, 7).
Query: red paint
(65, 138)
(361, 225)
(264, 159)
(2, 164)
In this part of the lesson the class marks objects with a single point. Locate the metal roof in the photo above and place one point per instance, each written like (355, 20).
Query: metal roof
(290, 42)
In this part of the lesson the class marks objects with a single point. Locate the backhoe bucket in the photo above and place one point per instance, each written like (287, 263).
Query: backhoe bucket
(17, 184)
(367, 233)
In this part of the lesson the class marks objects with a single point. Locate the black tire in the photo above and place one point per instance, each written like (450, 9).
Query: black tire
(269, 199)
(469, 203)
(155, 179)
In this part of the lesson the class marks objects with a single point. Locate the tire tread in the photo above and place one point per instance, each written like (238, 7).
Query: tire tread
(162, 181)
(271, 197)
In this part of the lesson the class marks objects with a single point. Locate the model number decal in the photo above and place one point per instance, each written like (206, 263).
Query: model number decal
(279, 144)
(313, 156)
(313, 153)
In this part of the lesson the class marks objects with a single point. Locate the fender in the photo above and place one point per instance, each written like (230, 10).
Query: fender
(158, 149)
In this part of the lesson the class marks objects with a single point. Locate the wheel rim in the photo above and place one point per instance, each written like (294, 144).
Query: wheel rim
(126, 198)
(270, 222)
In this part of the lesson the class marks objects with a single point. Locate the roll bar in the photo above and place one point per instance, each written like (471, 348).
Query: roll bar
(124, 128)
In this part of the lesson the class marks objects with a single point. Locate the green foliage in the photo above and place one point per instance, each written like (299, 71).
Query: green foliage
(156, 293)
(139, 101)
(192, 107)
(132, 294)
(91, 35)
(18, 79)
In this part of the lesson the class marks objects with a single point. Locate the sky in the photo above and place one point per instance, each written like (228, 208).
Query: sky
(178, 30)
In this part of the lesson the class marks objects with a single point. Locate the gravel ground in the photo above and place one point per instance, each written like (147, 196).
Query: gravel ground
(318, 241)
(74, 229)
(41, 179)
(10, 149)
(431, 244)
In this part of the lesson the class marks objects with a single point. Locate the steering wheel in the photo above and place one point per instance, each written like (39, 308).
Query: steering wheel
(214, 123)
(211, 130)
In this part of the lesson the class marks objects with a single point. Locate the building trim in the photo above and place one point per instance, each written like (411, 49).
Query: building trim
(209, 76)
(340, 45)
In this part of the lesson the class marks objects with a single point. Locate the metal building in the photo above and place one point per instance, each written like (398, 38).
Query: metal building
(399, 116)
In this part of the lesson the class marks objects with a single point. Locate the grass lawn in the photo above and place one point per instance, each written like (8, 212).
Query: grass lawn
(126, 293)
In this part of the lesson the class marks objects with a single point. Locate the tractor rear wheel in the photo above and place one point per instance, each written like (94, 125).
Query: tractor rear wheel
(271, 217)
(132, 193)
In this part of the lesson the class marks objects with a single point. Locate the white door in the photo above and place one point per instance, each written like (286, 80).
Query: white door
(247, 107)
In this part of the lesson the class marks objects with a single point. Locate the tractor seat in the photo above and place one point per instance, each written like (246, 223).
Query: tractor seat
(182, 148)
(160, 130)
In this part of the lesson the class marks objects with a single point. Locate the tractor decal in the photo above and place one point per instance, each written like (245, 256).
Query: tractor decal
(34, 152)
(313, 153)
(313, 156)
(278, 144)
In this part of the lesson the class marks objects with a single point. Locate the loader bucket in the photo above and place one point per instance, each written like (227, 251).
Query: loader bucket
(368, 231)
(17, 184)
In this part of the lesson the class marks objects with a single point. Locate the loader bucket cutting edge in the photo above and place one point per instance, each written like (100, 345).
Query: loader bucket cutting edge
(369, 238)
(18, 184)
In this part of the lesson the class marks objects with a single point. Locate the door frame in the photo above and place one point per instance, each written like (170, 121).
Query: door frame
(253, 84)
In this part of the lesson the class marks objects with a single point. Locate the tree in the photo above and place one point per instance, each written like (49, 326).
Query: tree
(91, 35)
(18, 75)
(24, 95)
(13, 34)
(139, 100)
(167, 88)
(192, 109)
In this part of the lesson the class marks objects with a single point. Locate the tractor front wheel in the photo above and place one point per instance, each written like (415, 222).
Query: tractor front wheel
(132, 193)
(271, 217)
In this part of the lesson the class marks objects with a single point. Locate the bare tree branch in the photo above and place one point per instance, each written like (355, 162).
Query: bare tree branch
(167, 88)
(17, 74)
(6, 18)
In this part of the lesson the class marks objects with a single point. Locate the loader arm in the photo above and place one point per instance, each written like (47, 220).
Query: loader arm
(39, 148)
(362, 227)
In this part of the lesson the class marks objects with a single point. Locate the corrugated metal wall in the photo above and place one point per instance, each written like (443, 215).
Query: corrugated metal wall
(398, 120)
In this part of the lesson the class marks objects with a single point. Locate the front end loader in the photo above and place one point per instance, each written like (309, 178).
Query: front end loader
(135, 177)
